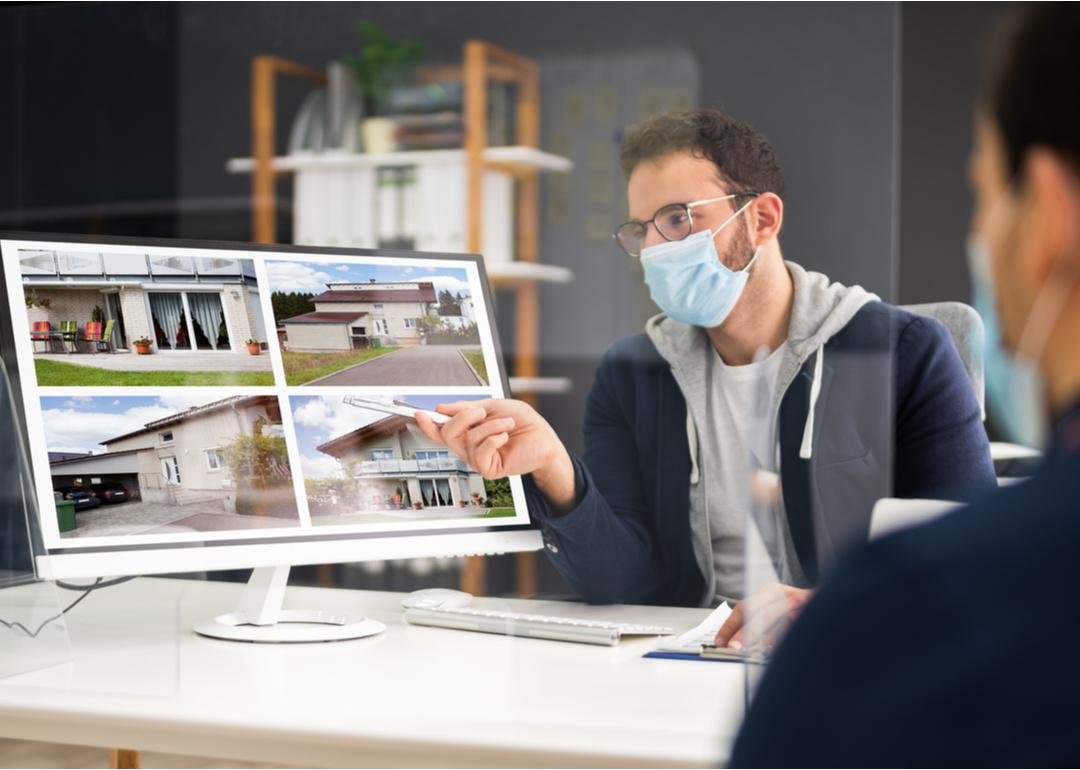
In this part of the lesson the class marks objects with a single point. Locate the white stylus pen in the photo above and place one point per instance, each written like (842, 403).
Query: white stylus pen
(400, 409)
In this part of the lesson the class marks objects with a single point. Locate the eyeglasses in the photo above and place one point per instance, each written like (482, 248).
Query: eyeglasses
(674, 222)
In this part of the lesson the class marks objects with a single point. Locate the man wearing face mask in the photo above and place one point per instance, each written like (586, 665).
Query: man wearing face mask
(951, 644)
(755, 365)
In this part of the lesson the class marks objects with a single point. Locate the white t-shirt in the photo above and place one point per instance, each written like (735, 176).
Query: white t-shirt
(739, 438)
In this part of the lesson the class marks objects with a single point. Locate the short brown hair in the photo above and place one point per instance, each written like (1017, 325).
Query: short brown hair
(743, 157)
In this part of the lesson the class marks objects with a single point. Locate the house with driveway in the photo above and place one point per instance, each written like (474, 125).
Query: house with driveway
(178, 460)
(182, 303)
(399, 468)
(360, 315)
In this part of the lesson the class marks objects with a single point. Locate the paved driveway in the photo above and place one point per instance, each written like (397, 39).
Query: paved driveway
(421, 365)
(145, 518)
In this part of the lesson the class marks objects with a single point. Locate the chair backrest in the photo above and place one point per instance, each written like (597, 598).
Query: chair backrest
(69, 327)
(107, 334)
(40, 326)
(891, 514)
(966, 329)
(93, 330)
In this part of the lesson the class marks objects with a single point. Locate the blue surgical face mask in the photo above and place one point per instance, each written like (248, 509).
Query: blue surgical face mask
(1014, 387)
(688, 281)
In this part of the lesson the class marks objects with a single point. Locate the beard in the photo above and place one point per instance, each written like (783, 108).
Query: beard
(740, 251)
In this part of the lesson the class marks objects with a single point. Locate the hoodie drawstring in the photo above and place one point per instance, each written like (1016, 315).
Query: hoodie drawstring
(806, 449)
(691, 438)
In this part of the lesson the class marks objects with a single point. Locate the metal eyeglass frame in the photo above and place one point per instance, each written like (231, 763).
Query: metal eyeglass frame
(687, 207)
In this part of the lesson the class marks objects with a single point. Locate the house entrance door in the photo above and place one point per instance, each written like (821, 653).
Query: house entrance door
(170, 469)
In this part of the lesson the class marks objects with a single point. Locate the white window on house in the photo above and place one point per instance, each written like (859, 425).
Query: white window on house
(166, 437)
(215, 459)
(381, 326)
(382, 454)
(410, 323)
(378, 306)
(431, 454)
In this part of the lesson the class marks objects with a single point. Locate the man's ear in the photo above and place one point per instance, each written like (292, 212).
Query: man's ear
(1050, 237)
(768, 211)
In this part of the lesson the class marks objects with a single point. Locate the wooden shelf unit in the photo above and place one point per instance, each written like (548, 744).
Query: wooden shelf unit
(482, 63)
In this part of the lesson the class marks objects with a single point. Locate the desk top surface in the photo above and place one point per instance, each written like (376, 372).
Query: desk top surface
(141, 678)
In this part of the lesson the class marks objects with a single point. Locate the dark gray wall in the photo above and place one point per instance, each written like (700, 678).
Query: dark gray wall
(943, 52)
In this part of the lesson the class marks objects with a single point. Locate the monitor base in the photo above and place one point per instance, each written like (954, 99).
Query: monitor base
(260, 617)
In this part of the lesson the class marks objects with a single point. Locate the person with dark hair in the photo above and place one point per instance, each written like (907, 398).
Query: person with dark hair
(755, 369)
(942, 645)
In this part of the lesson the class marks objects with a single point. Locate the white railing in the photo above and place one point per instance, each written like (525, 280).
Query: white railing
(383, 467)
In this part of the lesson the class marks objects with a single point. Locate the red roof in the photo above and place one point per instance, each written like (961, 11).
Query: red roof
(324, 318)
(426, 293)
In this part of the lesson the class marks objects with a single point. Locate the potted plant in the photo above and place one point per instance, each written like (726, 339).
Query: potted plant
(142, 346)
(418, 505)
(253, 347)
(381, 64)
(33, 300)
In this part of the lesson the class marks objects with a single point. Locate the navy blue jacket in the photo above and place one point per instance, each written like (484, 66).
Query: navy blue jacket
(896, 416)
(950, 644)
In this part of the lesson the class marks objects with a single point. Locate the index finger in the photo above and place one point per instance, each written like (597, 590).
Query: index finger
(428, 427)
(456, 406)
(731, 625)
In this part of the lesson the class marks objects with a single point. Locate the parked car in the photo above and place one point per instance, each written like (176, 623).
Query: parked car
(110, 492)
(81, 496)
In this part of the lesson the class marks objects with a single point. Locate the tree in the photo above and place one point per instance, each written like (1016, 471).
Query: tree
(448, 304)
(293, 303)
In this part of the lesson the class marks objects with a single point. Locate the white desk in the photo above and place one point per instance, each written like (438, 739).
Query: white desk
(141, 679)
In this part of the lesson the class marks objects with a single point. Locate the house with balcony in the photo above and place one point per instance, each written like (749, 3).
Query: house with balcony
(182, 303)
(399, 468)
(360, 315)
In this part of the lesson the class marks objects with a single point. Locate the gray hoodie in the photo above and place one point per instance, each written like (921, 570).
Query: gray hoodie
(819, 310)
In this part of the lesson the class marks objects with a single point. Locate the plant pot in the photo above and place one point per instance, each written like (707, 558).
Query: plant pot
(377, 135)
(254, 349)
(142, 350)
(462, 504)
(418, 506)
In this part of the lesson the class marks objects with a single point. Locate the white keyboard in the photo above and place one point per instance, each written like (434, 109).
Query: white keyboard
(535, 626)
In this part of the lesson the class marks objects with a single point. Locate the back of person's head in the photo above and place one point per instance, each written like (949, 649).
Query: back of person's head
(1030, 89)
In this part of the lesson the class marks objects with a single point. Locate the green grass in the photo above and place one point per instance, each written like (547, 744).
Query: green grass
(56, 373)
(305, 367)
(498, 513)
(476, 358)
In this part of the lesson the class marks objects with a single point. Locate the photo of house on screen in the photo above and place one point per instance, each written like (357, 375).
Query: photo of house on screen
(132, 465)
(361, 315)
(103, 318)
(362, 466)
(380, 325)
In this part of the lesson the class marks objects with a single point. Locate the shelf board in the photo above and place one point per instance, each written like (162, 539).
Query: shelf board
(511, 273)
(516, 157)
(540, 385)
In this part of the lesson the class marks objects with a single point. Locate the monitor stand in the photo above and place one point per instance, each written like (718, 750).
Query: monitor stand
(260, 618)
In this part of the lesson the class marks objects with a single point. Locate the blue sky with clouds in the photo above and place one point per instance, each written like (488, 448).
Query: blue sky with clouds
(313, 276)
(318, 419)
(81, 423)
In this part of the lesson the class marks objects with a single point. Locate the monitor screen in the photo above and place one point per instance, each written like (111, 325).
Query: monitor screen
(206, 405)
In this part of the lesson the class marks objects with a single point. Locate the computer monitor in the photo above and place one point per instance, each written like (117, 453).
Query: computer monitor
(197, 406)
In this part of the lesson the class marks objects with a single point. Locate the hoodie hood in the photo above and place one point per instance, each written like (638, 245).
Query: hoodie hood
(819, 310)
